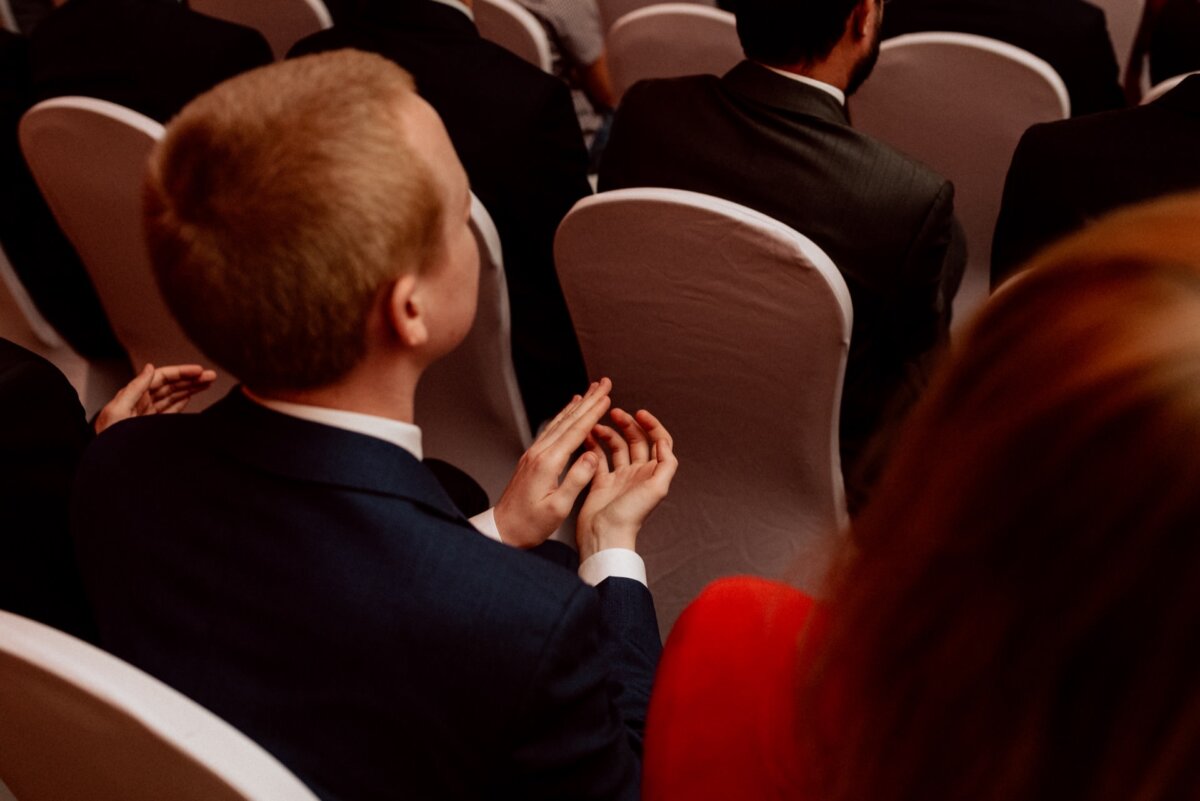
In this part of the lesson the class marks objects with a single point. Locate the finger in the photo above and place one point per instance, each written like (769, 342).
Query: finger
(615, 444)
(665, 467)
(577, 478)
(568, 435)
(594, 391)
(601, 456)
(551, 428)
(639, 443)
(653, 428)
(131, 395)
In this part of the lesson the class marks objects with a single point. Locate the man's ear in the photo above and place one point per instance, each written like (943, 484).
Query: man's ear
(405, 313)
(860, 18)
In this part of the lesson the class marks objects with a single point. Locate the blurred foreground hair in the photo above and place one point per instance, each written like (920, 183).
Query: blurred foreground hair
(1020, 619)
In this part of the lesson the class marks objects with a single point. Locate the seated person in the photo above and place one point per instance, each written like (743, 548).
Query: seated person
(152, 56)
(577, 50)
(1018, 614)
(308, 226)
(1169, 33)
(1065, 174)
(43, 432)
(777, 138)
(1070, 35)
(515, 131)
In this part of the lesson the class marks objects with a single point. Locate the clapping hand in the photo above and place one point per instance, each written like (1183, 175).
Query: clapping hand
(535, 502)
(623, 495)
(162, 390)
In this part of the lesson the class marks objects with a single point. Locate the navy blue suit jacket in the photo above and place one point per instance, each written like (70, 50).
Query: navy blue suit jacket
(317, 589)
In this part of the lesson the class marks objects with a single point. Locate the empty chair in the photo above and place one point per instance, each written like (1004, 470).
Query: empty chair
(77, 724)
(515, 29)
(959, 103)
(89, 157)
(1160, 89)
(282, 22)
(613, 10)
(670, 40)
(468, 404)
(733, 329)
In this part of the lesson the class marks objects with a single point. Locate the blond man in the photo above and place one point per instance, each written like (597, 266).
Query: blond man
(284, 557)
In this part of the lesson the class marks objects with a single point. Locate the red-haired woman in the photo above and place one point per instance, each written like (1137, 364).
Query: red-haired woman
(1019, 618)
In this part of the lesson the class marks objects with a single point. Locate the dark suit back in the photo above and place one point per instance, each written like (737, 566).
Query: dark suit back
(1064, 174)
(515, 131)
(317, 589)
(150, 55)
(1070, 35)
(786, 149)
(43, 433)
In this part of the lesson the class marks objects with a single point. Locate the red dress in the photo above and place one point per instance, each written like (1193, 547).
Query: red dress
(722, 721)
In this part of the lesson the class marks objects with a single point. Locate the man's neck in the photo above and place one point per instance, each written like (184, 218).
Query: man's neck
(364, 391)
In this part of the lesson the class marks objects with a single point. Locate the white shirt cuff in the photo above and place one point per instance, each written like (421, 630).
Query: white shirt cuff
(485, 523)
(613, 563)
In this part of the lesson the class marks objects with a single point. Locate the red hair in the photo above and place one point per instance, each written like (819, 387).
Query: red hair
(1020, 618)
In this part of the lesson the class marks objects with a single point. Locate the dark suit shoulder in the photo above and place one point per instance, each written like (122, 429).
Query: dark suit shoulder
(39, 405)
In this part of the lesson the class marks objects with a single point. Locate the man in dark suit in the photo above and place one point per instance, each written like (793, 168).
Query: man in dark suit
(1067, 173)
(43, 433)
(283, 557)
(150, 55)
(1070, 35)
(773, 134)
(515, 131)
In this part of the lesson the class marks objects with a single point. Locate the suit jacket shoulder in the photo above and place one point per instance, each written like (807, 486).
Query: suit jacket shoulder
(1071, 35)
(148, 55)
(324, 595)
(1054, 184)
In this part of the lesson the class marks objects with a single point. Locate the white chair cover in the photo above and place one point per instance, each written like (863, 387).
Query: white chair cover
(733, 329)
(7, 20)
(670, 40)
(282, 22)
(1123, 18)
(77, 724)
(1160, 89)
(613, 10)
(960, 103)
(468, 404)
(515, 29)
(22, 323)
(89, 157)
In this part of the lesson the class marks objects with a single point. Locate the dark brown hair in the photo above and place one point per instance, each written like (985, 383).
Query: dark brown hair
(1021, 616)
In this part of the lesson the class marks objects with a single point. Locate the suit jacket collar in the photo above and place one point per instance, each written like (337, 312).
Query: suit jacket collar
(423, 15)
(757, 83)
(1184, 98)
(314, 453)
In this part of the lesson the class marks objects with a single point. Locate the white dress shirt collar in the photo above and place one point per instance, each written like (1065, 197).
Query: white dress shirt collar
(397, 432)
(458, 5)
(830, 89)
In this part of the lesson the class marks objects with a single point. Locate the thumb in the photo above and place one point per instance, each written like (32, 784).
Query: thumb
(578, 476)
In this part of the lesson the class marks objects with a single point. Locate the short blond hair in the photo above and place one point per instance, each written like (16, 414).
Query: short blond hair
(279, 207)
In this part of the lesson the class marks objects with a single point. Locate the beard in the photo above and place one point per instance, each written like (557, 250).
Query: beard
(862, 70)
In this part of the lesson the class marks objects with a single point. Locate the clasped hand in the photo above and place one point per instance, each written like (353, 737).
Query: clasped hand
(623, 493)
